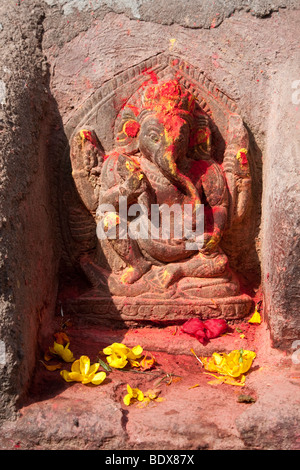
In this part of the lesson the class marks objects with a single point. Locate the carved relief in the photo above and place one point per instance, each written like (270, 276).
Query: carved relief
(176, 141)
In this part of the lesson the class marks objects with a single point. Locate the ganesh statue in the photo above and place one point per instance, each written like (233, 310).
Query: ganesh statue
(160, 203)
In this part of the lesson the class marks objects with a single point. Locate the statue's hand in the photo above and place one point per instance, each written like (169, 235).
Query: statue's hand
(211, 241)
(134, 186)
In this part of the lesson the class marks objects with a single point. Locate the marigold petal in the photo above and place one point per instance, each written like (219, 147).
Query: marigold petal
(256, 318)
(93, 368)
(84, 363)
(48, 355)
(76, 366)
(134, 363)
(57, 348)
(66, 376)
(127, 399)
(135, 352)
(98, 378)
(76, 377)
(116, 348)
(117, 361)
(140, 395)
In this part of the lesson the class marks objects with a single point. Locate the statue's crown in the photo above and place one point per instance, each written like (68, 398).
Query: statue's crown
(168, 97)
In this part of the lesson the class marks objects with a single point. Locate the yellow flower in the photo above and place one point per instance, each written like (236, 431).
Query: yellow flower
(234, 364)
(118, 355)
(62, 351)
(133, 394)
(82, 371)
(256, 318)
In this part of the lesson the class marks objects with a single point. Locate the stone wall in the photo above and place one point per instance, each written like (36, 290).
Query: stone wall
(281, 222)
(55, 54)
(27, 260)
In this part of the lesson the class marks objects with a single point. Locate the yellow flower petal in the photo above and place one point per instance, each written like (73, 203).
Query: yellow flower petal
(84, 364)
(98, 378)
(133, 394)
(66, 376)
(76, 376)
(139, 394)
(116, 348)
(57, 348)
(76, 366)
(135, 352)
(117, 361)
(93, 369)
(256, 318)
(119, 355)
(127, 399)
(62, 351)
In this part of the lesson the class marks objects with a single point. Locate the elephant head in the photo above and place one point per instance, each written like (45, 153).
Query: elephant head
(166, 127)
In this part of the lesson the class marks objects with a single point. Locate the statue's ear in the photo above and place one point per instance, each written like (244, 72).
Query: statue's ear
(200, 136)
(127, 134)
(87, 156)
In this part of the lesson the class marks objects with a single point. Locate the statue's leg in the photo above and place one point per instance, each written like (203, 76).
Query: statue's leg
(201, 266)
(137, 265)
(126, 248)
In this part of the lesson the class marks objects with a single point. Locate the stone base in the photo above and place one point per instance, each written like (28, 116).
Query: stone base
(194, 415)
(92, 309)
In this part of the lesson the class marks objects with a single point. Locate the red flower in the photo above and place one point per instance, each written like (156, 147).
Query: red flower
(204, 331)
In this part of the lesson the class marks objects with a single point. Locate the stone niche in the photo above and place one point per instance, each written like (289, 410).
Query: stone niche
(201, 155)
(80, 82)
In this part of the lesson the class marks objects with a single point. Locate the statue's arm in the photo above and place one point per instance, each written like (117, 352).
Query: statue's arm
(86, 155)
(121, 177)
(216, 211)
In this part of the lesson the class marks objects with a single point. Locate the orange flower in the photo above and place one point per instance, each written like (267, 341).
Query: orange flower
(146, 363)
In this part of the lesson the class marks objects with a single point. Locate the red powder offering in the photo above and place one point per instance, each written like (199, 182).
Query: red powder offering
(131, 128)
(243, 158)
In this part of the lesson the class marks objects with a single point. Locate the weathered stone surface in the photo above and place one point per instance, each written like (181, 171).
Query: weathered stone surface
(73, 420)
(194, 414)
(27, 254)
(281, 221)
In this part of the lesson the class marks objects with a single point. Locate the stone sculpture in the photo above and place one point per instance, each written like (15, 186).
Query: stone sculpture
(162, 157)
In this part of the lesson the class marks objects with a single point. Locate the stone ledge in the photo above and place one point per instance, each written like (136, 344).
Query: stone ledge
(101, 310)
(194, 415)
